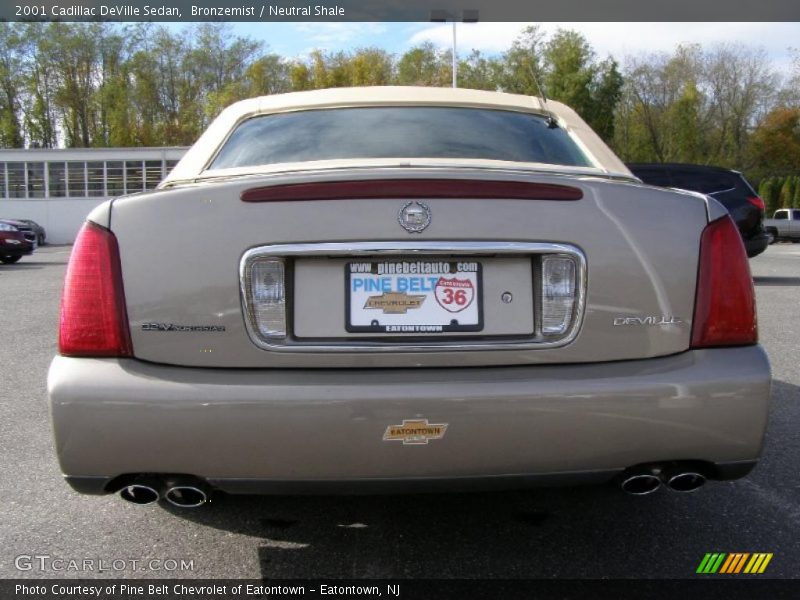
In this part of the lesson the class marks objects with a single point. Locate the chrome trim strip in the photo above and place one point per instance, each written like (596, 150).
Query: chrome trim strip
(354, 249)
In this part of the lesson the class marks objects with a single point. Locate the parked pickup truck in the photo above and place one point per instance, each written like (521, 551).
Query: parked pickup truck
(784, 225)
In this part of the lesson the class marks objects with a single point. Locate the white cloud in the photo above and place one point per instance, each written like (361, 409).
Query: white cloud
(486, 37)
(324, 36)
(623, 39)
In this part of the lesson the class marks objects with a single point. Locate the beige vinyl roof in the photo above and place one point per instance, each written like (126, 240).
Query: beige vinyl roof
(193, 165)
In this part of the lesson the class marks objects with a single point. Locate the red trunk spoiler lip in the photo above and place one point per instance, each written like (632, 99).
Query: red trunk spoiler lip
(412, 188)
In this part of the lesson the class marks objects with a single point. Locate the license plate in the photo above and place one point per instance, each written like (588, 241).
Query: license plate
(413, 296)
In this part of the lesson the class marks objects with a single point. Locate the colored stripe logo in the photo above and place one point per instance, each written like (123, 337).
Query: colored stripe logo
(734, 563)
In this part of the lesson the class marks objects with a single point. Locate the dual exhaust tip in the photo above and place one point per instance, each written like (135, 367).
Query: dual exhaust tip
(188, 494)
(646, 480)
(192, 494)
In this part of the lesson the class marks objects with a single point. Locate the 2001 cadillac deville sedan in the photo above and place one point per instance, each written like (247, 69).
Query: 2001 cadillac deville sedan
(356, 289)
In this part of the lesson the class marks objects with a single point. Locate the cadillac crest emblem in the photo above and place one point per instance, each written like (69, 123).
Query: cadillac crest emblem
(414, 217)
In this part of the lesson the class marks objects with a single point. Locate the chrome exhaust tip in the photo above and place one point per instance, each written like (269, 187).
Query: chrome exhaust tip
(687, 481)
(186, 496)
(640, 484)
(139, 493)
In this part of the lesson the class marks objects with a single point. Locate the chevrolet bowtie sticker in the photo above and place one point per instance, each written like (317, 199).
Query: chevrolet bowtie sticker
(395, 303)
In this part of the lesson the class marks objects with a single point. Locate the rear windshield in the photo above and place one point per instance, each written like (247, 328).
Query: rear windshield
(398, 132)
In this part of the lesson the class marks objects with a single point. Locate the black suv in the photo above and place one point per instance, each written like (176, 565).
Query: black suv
(729, 187)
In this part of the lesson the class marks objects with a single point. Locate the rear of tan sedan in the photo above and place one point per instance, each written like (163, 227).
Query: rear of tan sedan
(406, 328)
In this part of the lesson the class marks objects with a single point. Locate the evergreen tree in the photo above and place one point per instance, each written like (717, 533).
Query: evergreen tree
(769, 191)
(796, 192)
(787, 193)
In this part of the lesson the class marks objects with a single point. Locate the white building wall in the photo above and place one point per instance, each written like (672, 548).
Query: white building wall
(60, 217)
(62, 212)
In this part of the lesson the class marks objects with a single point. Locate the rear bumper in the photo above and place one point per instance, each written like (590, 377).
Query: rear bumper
(320, 430)
(756, 244)
(23, 248)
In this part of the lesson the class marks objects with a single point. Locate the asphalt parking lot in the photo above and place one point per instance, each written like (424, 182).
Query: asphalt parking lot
(576, 532)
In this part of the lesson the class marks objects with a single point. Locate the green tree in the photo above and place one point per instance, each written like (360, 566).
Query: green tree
(215, 63)
(606, 93)
(300, 77)
(10, 82)
(320, 77)
(660, 111)
(114, 121)
(796, 196)
(786, 195)
(523, 71)
(570, 70)
(768, 192)
(38, 86)
(775, 143)
(270, 74)
(686, 135)
(371, 66)
(423, 65)
(740, 82)
(478, 72)
(338, 70)
(77, 69)
(695, 105)
(777, 184)
(144, 98)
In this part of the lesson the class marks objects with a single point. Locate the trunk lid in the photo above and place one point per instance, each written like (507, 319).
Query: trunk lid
(182, 252)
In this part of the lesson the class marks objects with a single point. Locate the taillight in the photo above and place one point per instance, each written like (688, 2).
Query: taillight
(725, 305)
(757, 202)
(94, 321)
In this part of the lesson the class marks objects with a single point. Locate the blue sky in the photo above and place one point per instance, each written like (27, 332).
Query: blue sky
(618, 39)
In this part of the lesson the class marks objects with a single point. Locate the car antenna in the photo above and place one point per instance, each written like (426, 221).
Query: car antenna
(552, 123)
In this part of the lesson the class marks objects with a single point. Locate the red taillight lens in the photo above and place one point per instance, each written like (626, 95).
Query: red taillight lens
(94, 321)
(757, 202)
(725, 305)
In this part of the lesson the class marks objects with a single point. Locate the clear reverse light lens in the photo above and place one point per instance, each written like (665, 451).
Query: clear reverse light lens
(558, 294)
(268, 298)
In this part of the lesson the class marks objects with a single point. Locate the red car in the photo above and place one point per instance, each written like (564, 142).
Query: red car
(13, 243)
